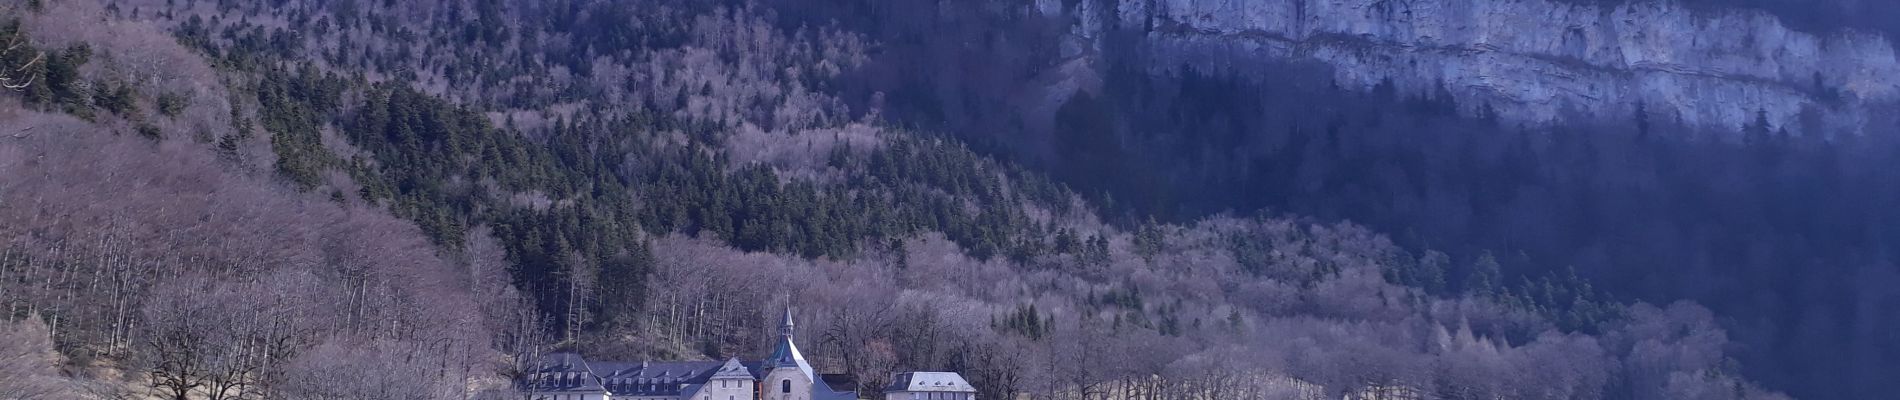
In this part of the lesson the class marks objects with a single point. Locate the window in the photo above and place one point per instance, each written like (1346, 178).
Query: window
(785, 386)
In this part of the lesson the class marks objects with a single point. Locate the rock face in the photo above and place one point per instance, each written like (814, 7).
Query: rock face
(1536, 60)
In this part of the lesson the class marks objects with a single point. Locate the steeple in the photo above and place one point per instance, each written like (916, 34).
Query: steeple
(786, 354)
(785, 329)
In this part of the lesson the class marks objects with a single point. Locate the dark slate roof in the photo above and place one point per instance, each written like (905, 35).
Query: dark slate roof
(929, 382)
(561, 362)
(659, 370)
(786, 355)
(562, 372)
(734, 369)
(686, 392)
(564, 382)
(840, 381)
(822, 391)
(654, 378)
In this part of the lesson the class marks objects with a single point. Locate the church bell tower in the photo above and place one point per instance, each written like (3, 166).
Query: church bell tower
(790, 377)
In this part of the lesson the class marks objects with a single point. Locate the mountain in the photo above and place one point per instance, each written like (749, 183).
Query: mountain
(1765, 219)
(415, 199)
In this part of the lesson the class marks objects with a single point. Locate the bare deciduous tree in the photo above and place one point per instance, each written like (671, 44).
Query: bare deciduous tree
(178, 338)
(17, 77)
(858, 333)
(28, 364)
(205, 284)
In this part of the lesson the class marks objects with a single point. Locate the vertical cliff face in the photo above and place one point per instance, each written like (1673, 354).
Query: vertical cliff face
(1535, 60)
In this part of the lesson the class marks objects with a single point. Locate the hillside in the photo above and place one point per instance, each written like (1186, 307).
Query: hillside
(1769, 221)
(438, 191)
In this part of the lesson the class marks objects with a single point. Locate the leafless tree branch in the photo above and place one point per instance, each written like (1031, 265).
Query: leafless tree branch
(18, 79)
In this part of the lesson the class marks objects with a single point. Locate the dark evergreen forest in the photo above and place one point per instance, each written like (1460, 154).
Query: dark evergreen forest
(1784, 235)
(644, 179)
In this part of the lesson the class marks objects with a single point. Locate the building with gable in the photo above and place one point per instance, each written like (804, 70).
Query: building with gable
(929, 386)
(783, 375)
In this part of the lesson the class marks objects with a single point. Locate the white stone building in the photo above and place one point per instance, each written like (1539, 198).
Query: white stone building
(929, 386)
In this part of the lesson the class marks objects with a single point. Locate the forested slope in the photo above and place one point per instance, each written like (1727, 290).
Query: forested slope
(656, 179)
(1778, 230)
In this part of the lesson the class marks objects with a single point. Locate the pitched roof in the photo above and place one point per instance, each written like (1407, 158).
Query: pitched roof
(822, 391)
(837, 381)
(686, 392)
(655, 378)
(658, 370)
(785, 354)
(734, 369)
(929, 382)
(560, 362)
(562, 372)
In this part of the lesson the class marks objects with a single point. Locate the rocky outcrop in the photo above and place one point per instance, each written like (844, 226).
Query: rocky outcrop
(1537, 60)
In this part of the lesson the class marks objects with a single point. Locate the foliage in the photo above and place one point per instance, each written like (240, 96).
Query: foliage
(1025, 320)
(291, 107)
(619, 188)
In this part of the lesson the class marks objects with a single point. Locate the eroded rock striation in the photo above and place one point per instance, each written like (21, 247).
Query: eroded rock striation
(1536, 60)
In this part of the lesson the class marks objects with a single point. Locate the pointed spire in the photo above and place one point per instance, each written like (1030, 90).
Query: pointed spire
(786, 355)
(785, 330)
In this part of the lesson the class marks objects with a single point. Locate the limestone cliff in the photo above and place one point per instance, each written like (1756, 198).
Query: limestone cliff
(1534, 60)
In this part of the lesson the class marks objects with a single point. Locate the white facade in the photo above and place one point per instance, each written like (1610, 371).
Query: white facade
(732, 382)
(929, 396)
(929, 386)
(787, 384)
(731, 390)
